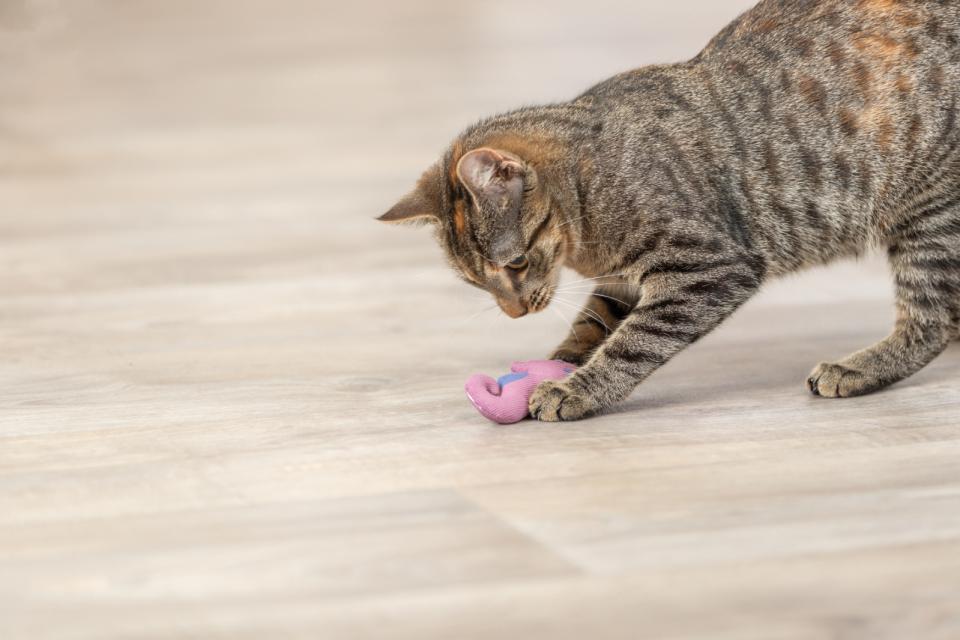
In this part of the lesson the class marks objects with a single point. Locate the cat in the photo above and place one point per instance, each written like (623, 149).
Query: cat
(805, 132)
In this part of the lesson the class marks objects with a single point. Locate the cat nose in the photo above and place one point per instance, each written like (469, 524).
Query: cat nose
(514, 309)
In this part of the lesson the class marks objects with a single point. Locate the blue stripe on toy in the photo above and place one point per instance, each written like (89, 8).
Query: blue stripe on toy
(511, 377)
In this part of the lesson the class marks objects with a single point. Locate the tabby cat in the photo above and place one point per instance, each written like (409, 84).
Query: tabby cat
(806, 131)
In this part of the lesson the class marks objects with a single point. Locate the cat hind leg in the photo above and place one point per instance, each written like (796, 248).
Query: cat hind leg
(926, 268)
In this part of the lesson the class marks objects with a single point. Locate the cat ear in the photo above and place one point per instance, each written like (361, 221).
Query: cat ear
(491, 176)
(412, 208)
(495, 180)
(421, 205)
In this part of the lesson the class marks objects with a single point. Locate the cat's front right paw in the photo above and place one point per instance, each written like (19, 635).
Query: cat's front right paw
(559, 402)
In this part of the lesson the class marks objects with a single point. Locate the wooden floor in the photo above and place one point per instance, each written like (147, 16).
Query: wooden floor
(231, 404)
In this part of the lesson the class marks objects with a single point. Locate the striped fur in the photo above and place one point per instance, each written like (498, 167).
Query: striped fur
(805, 132)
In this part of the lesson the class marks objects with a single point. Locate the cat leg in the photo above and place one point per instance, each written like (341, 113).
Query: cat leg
(682, 302)
(927, 276)
(603, 312)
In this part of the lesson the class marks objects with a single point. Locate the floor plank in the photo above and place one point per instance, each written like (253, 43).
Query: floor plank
(232, 403)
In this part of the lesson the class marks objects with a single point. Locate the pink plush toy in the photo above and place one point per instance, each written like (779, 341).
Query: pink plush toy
(505, 401)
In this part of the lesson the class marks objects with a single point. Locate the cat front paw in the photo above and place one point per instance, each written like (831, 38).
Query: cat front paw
(559, 402)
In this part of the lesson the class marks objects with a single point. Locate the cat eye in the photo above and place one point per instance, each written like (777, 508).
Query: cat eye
(519, 263)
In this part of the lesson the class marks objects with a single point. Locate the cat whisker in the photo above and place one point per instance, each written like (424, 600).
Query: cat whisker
(595, 294)
(596, 279)
(480, 313)
(567, 322)
(596, 316)
(586, 286)
(588, 312)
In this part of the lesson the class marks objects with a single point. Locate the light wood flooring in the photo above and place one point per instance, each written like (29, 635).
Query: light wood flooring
(231, 403)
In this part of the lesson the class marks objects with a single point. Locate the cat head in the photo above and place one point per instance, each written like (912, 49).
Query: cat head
(497, 221)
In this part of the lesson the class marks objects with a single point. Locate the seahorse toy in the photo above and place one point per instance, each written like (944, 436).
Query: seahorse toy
(505, 401)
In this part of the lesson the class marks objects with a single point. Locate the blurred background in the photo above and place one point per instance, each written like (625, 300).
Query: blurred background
(150, 145)
(252, 138)
(232, 403)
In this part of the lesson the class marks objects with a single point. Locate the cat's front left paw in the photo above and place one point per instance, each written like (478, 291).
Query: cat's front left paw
(571, 356)
(559, 402)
